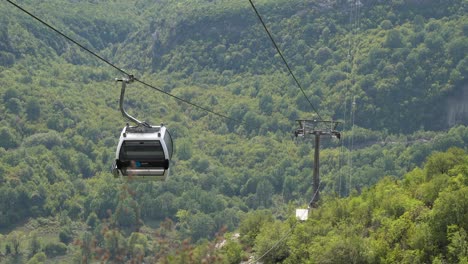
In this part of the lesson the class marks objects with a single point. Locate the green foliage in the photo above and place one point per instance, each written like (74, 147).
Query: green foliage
(92, 220)
(14, 240)
(201, 226)
(388, 223)
(271, 234)
(7, 138)
(53, 249)
(394, 39)
(9, 94)
(386, 24)
(137, 245)
(34, 244)
(458, 247)
(404, 65)
(441, 162)
(184, 150)
(264, 192)
(87, 247)
(232, 251)
(66, 235)
(38, 258)
(115, 244)
(7, 249)
(49, 140)
(127, 213)
(33, 110)
(251, 225)
(14, 105)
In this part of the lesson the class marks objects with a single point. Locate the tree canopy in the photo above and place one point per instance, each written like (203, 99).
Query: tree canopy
(385, 185)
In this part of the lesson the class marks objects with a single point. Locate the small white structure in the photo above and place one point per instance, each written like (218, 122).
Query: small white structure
(302, 214)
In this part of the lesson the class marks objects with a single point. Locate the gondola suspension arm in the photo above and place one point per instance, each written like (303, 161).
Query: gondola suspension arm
(124, 82)
(143, 151)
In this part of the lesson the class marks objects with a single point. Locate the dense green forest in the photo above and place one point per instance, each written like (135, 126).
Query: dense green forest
(393, 190)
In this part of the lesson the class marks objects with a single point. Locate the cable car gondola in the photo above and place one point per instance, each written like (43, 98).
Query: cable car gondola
(144, 151)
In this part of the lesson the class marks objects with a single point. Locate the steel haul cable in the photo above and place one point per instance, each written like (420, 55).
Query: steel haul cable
(176, 97)
(119, 69)
(284, 60)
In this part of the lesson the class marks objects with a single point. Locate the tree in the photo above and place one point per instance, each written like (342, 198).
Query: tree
(137, 245)
(49, 140)
(325, 34)
(92, 220)
(252, 121)
(87, 246)
(386, 24)
(53, 249)
(38, 258)
(127, 213)
(15, 239)
(6, 59)
(84, 165)
(457, 49)
(201, 226)
(33, 110)
(266, 104)
(7, 249)
(288, 188)
(184, 150)
(115, 244)
(34, 243)
(434, 42)
(201, 165)
(441, 162)
(7, 138)
(458, 247)
(264, 193)
(14, 105)
(65, 235)
(10, 93)
(272, 234)
(444, 216)
(394, 39)
(251, 224)
(323, 55)
(232, 251)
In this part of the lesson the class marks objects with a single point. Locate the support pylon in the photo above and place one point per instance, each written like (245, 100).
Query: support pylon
(318, 129)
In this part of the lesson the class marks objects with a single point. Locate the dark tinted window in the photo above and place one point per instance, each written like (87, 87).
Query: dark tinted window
(141, 151)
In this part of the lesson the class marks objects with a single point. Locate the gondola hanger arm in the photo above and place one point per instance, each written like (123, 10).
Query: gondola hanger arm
(124, 82)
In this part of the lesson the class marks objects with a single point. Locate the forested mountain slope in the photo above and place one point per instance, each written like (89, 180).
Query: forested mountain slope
(400, 60)
(421, 218)
(404, 63)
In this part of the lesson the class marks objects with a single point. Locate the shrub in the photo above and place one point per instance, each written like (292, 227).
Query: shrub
(54, 249)
(65, 235)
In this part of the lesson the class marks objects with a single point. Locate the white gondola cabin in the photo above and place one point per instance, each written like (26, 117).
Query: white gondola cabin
(144, 151)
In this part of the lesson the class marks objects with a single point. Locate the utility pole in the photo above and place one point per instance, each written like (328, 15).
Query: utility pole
(318, 129)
